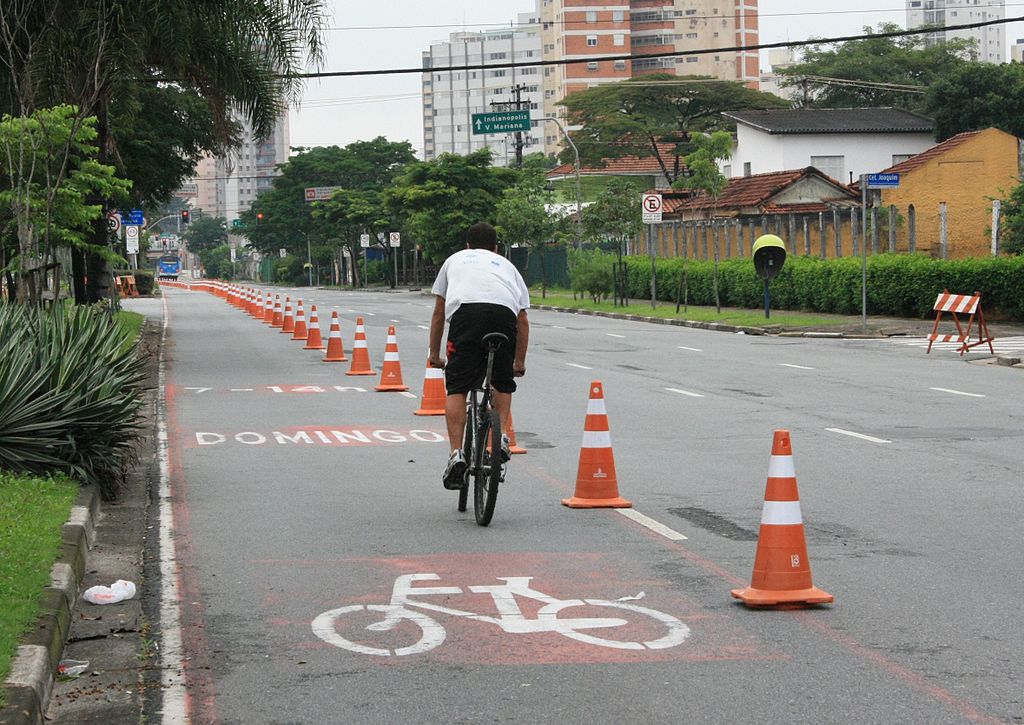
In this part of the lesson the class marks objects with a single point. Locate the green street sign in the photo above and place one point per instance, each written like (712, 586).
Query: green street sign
(501, 122)
(236, 223)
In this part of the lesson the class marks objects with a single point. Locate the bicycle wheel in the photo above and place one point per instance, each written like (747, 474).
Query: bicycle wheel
(675, 631)
(487, 473)
(431, 634)
(467, 454)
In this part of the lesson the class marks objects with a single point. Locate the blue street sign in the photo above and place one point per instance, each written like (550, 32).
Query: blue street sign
(883, 181)
(133, 218)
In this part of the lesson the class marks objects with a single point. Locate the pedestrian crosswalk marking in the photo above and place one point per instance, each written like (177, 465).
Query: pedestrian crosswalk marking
(1002, 345)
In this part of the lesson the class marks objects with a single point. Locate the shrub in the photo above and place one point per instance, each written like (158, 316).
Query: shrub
(590, 272)
(70, 394)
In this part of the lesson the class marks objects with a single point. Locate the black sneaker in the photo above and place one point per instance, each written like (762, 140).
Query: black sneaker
(455, 473)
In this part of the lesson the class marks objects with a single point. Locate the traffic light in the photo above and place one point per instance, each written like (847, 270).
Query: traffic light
(259, 217)
(184, 216)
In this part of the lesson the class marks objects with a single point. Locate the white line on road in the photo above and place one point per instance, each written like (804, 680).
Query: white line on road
(242, 390)
(581, 367)
(423, 327)
(691, 349)
(612, 334)
(407, 394)
(798, 367)
(653, 525)
(958, 392)
(858, 435)
(684, 392)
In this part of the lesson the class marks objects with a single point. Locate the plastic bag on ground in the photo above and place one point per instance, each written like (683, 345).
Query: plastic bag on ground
(116, 592)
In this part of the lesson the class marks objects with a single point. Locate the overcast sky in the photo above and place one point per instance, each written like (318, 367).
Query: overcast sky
(393, 34)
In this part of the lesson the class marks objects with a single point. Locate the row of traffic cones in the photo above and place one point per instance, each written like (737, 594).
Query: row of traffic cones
(782, 572)
(271, 312)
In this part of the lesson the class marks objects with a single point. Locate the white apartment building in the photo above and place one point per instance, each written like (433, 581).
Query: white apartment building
(450, 98)
(991, 40)
(226, 186)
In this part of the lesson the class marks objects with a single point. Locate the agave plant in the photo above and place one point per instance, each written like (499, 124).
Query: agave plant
(70, 394)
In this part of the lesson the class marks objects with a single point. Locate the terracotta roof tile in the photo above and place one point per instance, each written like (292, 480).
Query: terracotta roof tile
(919, 160)
(756, 191)
(625, 165)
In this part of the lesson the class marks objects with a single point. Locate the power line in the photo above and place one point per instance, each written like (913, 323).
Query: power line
(675, 54)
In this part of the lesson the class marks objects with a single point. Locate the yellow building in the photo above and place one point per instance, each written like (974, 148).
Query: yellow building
(965, 172)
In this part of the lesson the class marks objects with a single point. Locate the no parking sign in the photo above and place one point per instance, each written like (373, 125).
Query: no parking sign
(651, 204)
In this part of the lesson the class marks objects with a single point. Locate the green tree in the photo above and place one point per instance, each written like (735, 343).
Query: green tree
(206, 233)
(975, 96)
(1012, 222)
(50, 161)
(633, 117)
(901, 60)
(438, 200)
(705, 177)
(523, 220)
(613, 220)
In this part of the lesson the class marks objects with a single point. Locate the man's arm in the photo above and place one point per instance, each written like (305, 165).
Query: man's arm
(436, 330)
(522, 341)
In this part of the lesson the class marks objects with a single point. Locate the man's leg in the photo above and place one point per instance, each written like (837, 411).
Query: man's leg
(503, 404)
(455, 417)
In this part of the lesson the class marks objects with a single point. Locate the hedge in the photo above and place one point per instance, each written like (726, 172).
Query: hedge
(898, 285)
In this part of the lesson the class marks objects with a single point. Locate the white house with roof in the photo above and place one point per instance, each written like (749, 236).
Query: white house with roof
(842, 143)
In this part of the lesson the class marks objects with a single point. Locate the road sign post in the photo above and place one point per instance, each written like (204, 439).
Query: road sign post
(869, 181)
(501, 122)
(651, 206)
(395, 240)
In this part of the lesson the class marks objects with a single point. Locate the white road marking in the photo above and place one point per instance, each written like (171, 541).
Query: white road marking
(958, 392)
(653, 525)
(798, 367)
(691, 349)
(581, 367)
(172, 679)
(241, 390)
(423, 327)
(407, 394)
(612, 334)
(392, 320)
(858, 435)
(558, 327)
(684, 392)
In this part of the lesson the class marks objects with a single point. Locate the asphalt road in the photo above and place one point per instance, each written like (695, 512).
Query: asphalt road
(300, 495)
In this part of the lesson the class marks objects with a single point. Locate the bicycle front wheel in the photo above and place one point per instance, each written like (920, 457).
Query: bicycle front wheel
(487, 474)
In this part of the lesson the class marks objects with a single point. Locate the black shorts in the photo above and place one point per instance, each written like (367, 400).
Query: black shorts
(467, 355)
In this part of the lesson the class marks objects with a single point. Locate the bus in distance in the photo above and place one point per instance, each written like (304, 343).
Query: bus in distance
(168, 267)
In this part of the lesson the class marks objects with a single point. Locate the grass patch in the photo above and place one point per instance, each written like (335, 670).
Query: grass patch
(32, 511)
(130, 323)
(728, 316)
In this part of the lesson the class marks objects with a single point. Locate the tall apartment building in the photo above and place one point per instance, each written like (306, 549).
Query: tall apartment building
(585, 31)
(991, 40)
(226, 186)
(450, 98)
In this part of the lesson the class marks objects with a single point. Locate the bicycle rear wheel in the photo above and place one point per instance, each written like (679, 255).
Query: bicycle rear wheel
(487, 472)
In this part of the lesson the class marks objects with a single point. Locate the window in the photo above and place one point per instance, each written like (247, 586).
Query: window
(691, 36)
(591, 16)
(591, 41)
(691, 11)
(619, 39)
(497, 56)
(746, 168)
(832, 166)
(692, 59)
(727, 171)
(618, 16)
(592, 65)
(620, 65)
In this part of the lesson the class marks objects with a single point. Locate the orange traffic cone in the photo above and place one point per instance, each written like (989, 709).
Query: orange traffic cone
(511, 433)
(360, 355)
(288, 322)
(434, 393)
(596, 484)
(278, 320)
(313, 341)
(300, 332)
(268, 310)
(391, 373)
(782, 573)
(255, 304)
(335, 350)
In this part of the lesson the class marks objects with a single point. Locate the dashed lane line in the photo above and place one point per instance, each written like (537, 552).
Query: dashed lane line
(655, 526)
(612, 334)
(958, 392)
(798, 367)
(857, 435)
(684, 392)
(581, 367)
(691, 349)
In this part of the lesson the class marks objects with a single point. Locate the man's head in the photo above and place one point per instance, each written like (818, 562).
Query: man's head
(482, 236)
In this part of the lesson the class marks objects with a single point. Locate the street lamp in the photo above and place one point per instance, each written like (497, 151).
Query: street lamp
(576, 168)
(309, 257)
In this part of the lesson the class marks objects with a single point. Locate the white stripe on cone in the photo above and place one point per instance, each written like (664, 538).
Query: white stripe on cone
(781, 513)
(597, 439)
(595, 406)
(781, 467)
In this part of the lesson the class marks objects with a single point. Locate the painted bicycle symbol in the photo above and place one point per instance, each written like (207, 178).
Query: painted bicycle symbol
(510, 617)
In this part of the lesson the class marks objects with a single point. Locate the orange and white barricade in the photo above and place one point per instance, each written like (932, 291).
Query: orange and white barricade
(957, 305)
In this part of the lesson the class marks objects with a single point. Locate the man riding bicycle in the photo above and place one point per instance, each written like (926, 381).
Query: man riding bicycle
(477, 291)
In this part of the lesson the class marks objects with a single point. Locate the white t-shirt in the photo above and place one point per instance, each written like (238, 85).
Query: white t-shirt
(478, 275)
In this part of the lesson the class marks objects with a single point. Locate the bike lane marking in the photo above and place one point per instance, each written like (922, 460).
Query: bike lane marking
(854, 434)
(655, 526)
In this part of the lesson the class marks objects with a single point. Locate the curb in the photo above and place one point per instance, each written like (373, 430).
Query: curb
(30, 682)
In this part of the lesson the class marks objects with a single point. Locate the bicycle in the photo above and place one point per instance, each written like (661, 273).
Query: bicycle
(481, 442)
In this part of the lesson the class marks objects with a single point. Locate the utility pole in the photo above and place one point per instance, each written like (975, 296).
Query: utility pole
(517, 104)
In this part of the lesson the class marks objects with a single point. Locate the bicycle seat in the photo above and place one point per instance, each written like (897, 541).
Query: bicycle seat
(494, 339)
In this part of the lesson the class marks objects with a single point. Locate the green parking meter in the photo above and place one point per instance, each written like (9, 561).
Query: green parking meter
(769, 255)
